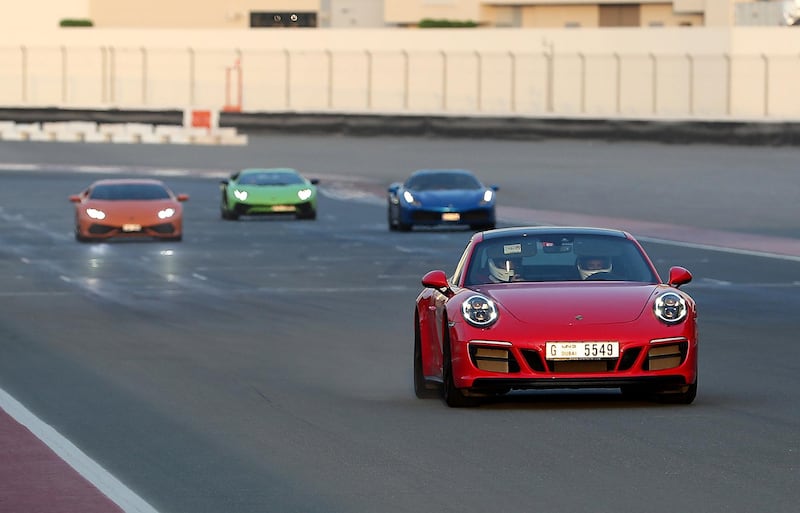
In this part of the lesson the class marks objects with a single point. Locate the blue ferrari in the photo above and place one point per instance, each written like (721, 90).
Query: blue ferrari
(441, 197)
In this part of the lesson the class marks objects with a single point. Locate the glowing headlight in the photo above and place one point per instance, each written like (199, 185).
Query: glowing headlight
(166, 213)
(240, 195)
(670, 308)
(408, 197)
(95, 214)
(304, 194)
(479, 311)
(487, 196)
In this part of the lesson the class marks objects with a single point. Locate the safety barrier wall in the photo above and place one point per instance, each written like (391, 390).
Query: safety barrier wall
(720, 74)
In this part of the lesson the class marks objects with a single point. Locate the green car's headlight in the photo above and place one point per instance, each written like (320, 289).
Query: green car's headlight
(240, 195)
(304, 194)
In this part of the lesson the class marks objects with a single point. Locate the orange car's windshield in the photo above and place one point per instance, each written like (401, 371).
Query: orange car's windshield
(129, 192)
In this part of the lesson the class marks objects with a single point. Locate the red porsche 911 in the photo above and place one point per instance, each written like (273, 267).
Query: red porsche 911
(554, 307)
(128, 207)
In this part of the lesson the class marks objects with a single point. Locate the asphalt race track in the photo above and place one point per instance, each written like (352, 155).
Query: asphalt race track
(265, 364)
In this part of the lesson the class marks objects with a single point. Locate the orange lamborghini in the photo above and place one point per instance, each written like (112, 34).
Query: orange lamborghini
(128, 208)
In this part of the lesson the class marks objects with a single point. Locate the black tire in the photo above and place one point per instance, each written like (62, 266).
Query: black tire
(224, 212)
(307, 216)
(453, 397)
(81, 238)
(229, 216)
(390, 221)
(422, 389)
(686, 395)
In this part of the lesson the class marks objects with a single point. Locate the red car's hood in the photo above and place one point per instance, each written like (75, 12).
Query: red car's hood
(563, 303)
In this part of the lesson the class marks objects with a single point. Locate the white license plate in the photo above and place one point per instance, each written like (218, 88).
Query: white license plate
(598, 350)
(131, 227)
(283, 208)
(451, 216)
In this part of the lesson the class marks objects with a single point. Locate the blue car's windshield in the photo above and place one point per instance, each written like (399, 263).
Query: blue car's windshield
(442, 181)
(270, 178)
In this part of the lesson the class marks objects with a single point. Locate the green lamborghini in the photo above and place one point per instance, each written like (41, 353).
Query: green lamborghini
(259, 191)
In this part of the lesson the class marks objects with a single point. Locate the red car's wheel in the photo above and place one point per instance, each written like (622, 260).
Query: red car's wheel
(454, 397)
(422, 388)
(685, 395)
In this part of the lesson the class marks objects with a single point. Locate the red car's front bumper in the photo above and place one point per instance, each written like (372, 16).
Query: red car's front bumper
(665, 357)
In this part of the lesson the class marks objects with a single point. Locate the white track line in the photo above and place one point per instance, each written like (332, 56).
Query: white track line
(75, 458)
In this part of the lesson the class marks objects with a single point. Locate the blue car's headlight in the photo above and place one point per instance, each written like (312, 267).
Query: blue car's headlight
(410, 198)
(488, 196)
(479, 311)
(670, 308)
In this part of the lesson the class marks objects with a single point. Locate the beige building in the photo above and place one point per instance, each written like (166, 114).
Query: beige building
(213, 14)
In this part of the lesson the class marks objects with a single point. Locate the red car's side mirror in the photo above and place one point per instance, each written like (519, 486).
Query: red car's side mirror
(437, 280)
(75, 198)
(183, 197)
(679, 276)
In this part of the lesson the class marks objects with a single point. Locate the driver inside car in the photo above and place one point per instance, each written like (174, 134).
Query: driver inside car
(505, 269)
(589, 265)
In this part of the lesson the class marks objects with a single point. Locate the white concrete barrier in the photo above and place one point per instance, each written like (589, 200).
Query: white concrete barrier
(119, 133)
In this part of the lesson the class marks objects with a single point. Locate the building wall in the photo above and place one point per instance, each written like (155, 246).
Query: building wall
(663, 15)
(41, 14)
(188, 13)
(551, 16)
(410, 12)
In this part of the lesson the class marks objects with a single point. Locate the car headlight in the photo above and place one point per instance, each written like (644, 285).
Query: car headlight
(670, 308)
(488, 195)
(166, 213)
(479, 311)
(304, 194)
(95, 214)
(410, 198)
(240, 195)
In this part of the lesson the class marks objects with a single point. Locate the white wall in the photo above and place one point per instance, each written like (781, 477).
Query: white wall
(669, 73)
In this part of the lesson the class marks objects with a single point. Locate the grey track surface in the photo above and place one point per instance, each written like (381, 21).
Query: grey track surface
(265, 365)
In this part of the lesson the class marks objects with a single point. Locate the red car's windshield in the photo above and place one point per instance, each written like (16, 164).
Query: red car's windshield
(558, 257)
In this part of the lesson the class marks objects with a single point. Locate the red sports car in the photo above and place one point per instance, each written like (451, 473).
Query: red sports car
(554, 307)
(132, 207)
